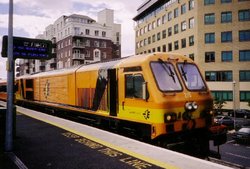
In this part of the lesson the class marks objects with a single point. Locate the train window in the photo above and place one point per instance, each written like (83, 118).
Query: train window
(191, 76)
(133, 87)
(165, 76)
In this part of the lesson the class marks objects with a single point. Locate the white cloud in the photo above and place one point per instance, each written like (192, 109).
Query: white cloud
(39, 14)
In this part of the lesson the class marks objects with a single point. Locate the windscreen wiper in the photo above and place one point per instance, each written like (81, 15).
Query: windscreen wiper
(168, 69)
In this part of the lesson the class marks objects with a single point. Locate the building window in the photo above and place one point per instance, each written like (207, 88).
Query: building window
(244, 15)
(163, 19)
(158, 36)
(244, 75)
(87, 31)
(141, 31)
(176, 12)
(145, 29)
(169, 16)
(244, 96)
(191, 4)
(209, 19)
(176, 45)
(164, 48)
(158, 21)
(223, 76)
(226, 17)
(191, 23)
(191, 56)
(153, 38)
(96, 33)
(226, 56)
(183, 26)
(244, 55)
(222, 95)
(226, 36)
(149, 40)
(183, 43)
(87, 43)
(96, 44)
(170, 47)
(164, 34)
(149, 27)
(103, 44)
(153, 25)
(153, 50)
(244, 35)
(104, 55)
(103, 34)
(176, 29)
(209, 37)
(225, 1)
(209, 57)
(169, 31)
(158, 49)
(191, 40)
(145, 42)
(183, 8)
(208, 2)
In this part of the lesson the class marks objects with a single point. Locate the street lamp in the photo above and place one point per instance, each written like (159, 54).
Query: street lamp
(234, 102)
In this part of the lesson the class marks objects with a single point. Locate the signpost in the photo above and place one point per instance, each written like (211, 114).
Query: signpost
(24, 48)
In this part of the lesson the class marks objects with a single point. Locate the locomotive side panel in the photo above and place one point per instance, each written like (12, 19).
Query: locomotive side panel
(91, 90)
(36, 89)
(58, 89)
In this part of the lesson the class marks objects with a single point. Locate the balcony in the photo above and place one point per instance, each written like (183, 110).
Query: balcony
(78, 45)
(77, 56)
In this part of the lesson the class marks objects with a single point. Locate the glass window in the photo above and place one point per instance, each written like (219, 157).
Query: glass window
(209, 19)
(226, 17)
(133, 86)
(223, 95)
(244, 55)
(244, 15)
(209, 37)
(244, 35)
(183, 8)
(209, 2)
(164, 48)
(169, 16)
(191, 56)
(244, 96)
(169, 47)
(191, 76)
(176, 45)
(176, 12)
(226, 56)
(158, 36)
(226, 1)
(191, 4)
(218, 76)
(163, 19)
(191, 23)
(164, 34)
(209, 57)
(183, 43)
(176, 29)
(183, 26)
(244, 75)
(226, 36)
(169, 31)
(96, 33)
(165, 76)
(149, 40)
(158, 21)
(191, 40)
(153, 38)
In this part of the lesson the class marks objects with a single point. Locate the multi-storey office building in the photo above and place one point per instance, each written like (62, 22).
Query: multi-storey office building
(214, 33)
(79, 40)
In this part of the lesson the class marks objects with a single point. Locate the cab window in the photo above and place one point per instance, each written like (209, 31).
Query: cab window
(133, 86)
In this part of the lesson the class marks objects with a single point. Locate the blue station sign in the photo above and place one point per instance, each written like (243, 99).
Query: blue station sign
(27, 48)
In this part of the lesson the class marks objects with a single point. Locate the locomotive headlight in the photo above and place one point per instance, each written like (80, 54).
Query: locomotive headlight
(188, 106)
(170, 117)
(194, 105)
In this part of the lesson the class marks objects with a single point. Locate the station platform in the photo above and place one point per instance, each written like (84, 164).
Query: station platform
(44, 141)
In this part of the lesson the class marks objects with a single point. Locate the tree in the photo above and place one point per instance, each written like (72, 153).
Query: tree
(218, 105)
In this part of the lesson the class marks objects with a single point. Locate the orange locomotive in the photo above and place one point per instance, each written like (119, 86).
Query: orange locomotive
(161, 97)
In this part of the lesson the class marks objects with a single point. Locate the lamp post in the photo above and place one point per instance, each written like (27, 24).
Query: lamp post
(234, 102)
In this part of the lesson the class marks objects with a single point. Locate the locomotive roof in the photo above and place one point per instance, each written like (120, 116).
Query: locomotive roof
(120, 63)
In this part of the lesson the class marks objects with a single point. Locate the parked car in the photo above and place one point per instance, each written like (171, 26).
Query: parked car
(241, 113)
(224, 120)
(242, 135)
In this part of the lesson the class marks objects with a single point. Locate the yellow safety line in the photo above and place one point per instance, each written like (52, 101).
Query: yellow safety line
(136, 155)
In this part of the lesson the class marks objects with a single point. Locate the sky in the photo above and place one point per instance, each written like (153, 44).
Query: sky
(32, 16)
